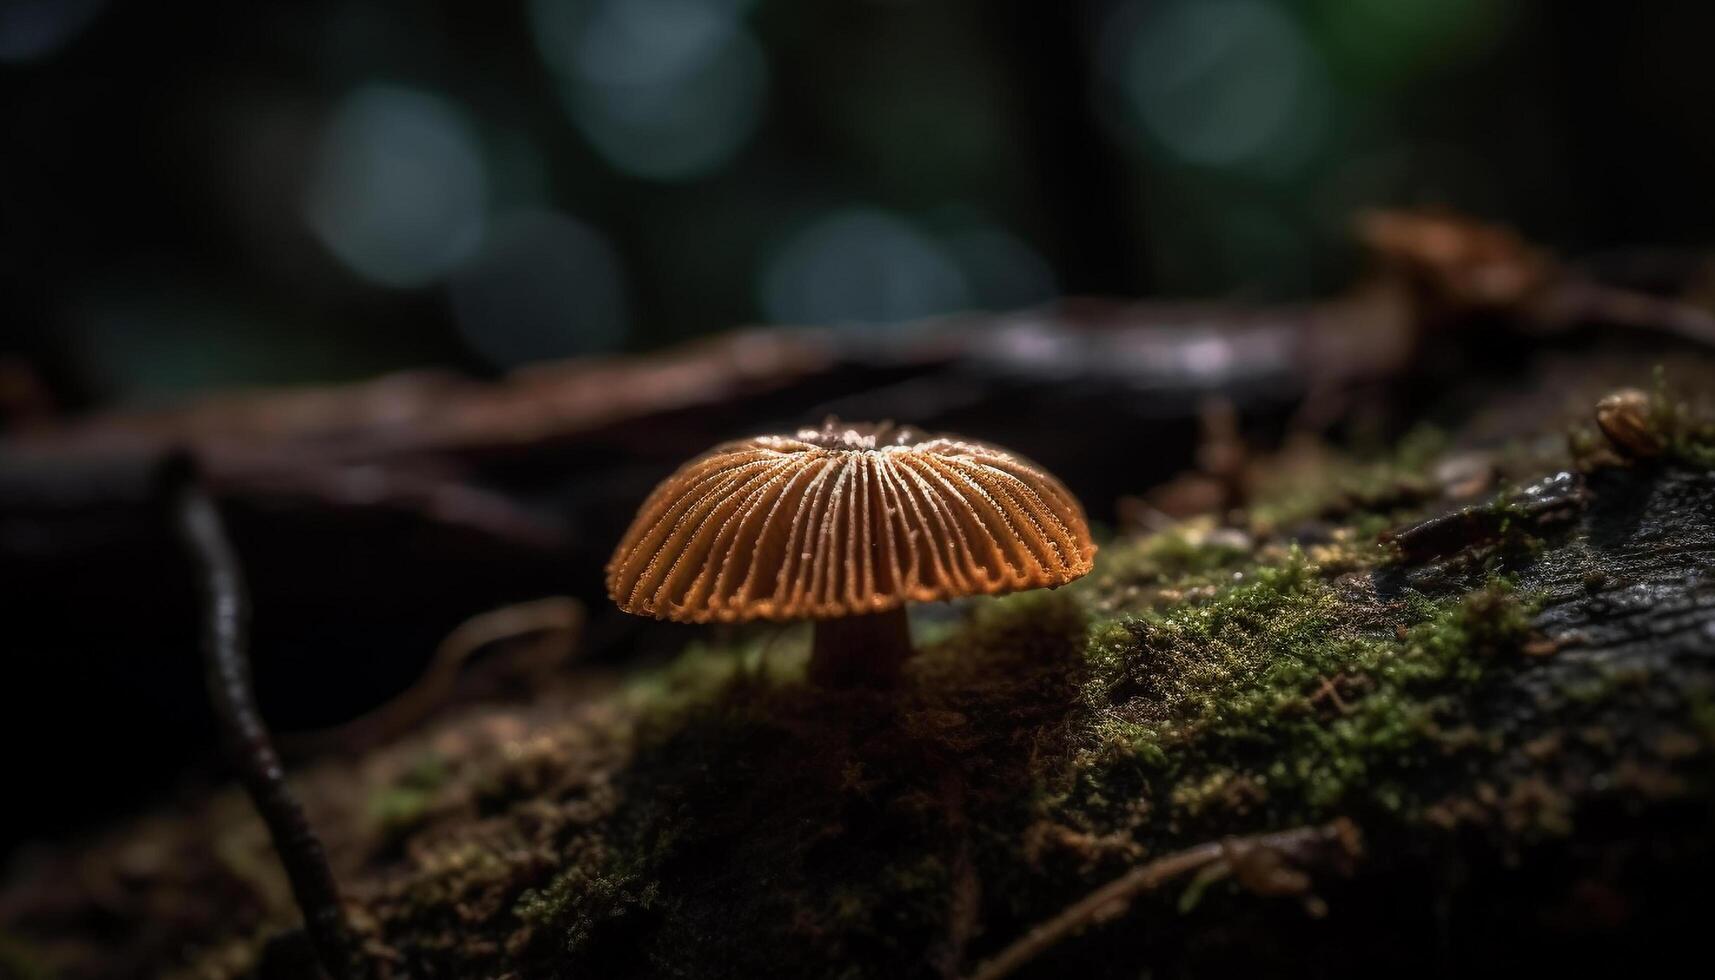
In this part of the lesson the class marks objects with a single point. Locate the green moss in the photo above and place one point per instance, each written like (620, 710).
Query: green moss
(400, 805)
(1322, 692)
(1191, 550)
(743, 773)
(1012, 637)
(1194, 681)
(719, 816)
(1367, 491)
(1688, 433)
(599, 888)
(1197, 684)
(763, 655)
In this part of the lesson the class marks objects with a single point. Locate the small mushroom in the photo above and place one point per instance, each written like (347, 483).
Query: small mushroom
(1626, 418)
(843, 525)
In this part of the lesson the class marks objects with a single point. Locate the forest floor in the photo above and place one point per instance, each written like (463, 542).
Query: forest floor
(1478, 684)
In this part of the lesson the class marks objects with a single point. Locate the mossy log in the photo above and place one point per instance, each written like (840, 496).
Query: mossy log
(1503, 702)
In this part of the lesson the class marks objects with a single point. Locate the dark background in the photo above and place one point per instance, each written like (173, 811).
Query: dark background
(197, 194)
(200, 195)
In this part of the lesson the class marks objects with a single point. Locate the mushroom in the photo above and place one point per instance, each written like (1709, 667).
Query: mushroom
(844, 525)
(1626, 417)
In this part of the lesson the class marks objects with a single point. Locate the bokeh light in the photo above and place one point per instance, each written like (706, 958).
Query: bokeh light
(544, 286)
(371, 177)
(1002, 271)
(401, 193)
(31, 30)
(662, 89)
(861, 266)
(639, 42)
(1220, 83)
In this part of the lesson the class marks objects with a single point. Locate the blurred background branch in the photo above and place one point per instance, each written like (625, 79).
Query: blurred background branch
(200, 194)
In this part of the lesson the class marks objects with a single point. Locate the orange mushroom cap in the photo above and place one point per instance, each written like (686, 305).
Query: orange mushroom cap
(845, 520)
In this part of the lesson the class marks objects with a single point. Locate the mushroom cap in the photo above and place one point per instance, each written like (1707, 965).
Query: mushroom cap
(845, 520)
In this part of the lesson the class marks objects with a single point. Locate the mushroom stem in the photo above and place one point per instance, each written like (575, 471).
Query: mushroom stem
(226, 659)
(860, 651)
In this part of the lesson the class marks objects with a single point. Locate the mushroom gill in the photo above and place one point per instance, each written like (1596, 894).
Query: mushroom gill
(848, 520)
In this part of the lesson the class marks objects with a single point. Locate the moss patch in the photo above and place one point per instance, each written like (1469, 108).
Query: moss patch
(1367, 490)
(1288, 695)
(1035, 743)
(1203, 681)
(717, 816)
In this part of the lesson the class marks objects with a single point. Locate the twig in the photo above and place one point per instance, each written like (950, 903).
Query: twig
(555, 615)
(1244, 856)
(227, 662)
(1577, 301)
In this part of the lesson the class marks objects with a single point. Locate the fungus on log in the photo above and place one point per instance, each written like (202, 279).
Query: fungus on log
(844, 525)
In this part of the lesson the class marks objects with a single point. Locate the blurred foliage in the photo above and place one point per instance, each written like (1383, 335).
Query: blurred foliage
(202, 193)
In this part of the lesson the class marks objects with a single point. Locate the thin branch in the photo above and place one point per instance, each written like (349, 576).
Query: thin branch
(1256, 861)
(556, 619)
(226, 655)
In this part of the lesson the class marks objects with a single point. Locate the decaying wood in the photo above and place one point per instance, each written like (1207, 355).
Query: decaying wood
(1569, 791)
(444, 450)
(1267, 864)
